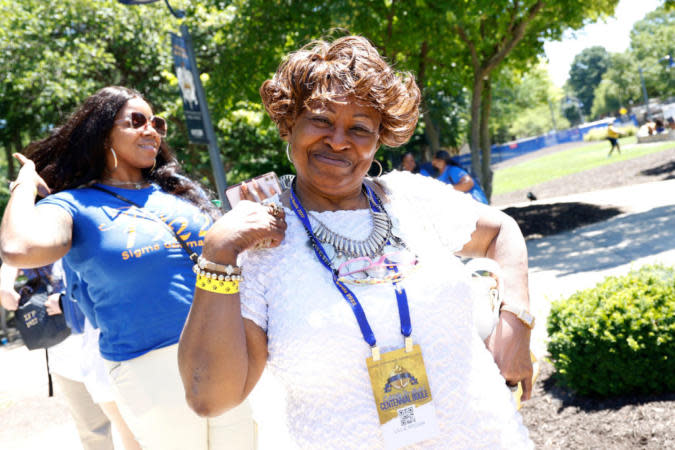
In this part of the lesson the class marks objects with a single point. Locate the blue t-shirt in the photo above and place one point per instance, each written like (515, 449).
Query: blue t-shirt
(137, 279)
(453, 174)
(75, 288)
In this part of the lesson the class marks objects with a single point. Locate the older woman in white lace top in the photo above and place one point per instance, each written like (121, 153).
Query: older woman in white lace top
(360, 304)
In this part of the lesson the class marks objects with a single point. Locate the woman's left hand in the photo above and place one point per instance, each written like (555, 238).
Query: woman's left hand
(510, 347)
(497, 236)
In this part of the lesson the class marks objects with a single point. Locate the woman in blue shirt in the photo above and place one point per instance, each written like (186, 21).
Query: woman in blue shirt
(451, 173)
(139, 282)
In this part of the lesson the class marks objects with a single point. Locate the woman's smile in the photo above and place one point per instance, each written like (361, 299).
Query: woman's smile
(331, 158)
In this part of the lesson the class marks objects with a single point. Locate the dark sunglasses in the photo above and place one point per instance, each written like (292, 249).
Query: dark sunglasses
(138, 120)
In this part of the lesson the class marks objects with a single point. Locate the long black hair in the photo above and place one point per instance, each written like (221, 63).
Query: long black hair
(445, 156)
(74, 154)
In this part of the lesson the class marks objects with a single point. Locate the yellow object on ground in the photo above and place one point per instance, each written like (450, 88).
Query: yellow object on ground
(518, 391)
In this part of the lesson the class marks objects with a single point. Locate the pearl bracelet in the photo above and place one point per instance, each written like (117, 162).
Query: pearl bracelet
(217, 286)
(205, 264)
(216, 276)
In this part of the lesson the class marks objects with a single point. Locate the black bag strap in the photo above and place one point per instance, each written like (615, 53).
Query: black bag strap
(49, 375)
(192, 255)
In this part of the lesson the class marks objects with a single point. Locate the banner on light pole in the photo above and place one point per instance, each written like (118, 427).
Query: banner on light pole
(188, 77)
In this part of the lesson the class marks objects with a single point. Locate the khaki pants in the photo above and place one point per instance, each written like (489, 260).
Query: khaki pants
(150, 395)
(92, 424)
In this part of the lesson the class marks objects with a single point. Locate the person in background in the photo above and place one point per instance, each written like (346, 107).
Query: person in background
(116, 202)
(452, 173)
(89, 400)
(613, 134)
(409, 164)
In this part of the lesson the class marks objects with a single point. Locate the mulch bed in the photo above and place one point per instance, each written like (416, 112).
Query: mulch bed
(544, 219)
(555, 416)
(558, 419)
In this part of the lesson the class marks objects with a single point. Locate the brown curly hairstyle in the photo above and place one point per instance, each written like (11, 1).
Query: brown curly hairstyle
(323, 72)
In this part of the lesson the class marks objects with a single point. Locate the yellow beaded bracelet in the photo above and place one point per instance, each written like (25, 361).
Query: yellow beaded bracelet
(218, 286)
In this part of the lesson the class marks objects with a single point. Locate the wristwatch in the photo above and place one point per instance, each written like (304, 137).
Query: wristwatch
(521, 313)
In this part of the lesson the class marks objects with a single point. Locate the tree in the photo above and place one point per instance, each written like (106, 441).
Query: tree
(57, 53)
(652, 45)
(90, 43)
(524, 103)
(606, 99)
(492, 30)
(586, 73)
(623, 73)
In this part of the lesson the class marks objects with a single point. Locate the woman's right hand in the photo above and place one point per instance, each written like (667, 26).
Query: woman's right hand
(247, 225)
(9, 299)
(28, 175)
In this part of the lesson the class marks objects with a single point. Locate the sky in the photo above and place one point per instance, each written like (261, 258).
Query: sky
(613, 34)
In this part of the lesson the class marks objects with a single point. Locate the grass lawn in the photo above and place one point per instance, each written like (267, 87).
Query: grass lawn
(556, 165)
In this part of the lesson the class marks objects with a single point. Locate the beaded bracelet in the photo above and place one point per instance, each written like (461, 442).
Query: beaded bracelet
(219, 276)
(205, 264)
(209, 284)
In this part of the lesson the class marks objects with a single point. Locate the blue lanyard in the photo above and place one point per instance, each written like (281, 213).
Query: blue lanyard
(401, 296)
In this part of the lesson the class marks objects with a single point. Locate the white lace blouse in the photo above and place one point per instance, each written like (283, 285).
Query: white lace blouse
(316, 348)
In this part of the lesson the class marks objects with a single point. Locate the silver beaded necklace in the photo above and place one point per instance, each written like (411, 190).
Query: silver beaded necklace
(352, 248)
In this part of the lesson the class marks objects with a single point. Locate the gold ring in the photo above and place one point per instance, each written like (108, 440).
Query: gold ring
(276, 210)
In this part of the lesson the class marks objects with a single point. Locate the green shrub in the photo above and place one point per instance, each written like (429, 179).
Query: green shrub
(600, 133)
(618, 337)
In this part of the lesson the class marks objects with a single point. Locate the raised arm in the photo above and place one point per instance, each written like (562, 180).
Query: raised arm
(221, 356)
(33, 236)
(464, 184)
(498, 236)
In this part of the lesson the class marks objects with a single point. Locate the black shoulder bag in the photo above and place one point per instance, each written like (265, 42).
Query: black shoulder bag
(37, 328)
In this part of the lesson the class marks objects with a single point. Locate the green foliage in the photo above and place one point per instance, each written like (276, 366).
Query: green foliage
(571, 109)
(652, 49)
(586, 73)
(606, 99)
(625, 79)
(652, 45)
(525, 104)
(600, 134)
(57, 53)
(618, 337)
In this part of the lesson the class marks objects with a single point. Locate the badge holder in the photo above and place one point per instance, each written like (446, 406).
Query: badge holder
(402, 395)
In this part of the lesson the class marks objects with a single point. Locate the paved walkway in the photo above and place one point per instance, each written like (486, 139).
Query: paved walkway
(559, 265)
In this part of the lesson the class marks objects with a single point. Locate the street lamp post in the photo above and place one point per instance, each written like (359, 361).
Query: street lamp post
(644, 94)
(214, 153)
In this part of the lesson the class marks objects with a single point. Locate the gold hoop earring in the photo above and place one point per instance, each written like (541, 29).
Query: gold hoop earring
(112, 150)
(379, 164)
(154, 163)
(288, 152)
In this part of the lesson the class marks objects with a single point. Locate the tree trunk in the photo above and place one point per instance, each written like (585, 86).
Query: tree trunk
(430, 132)
(11, 175)
(474, 140)
(18, 146)
(486, 103)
